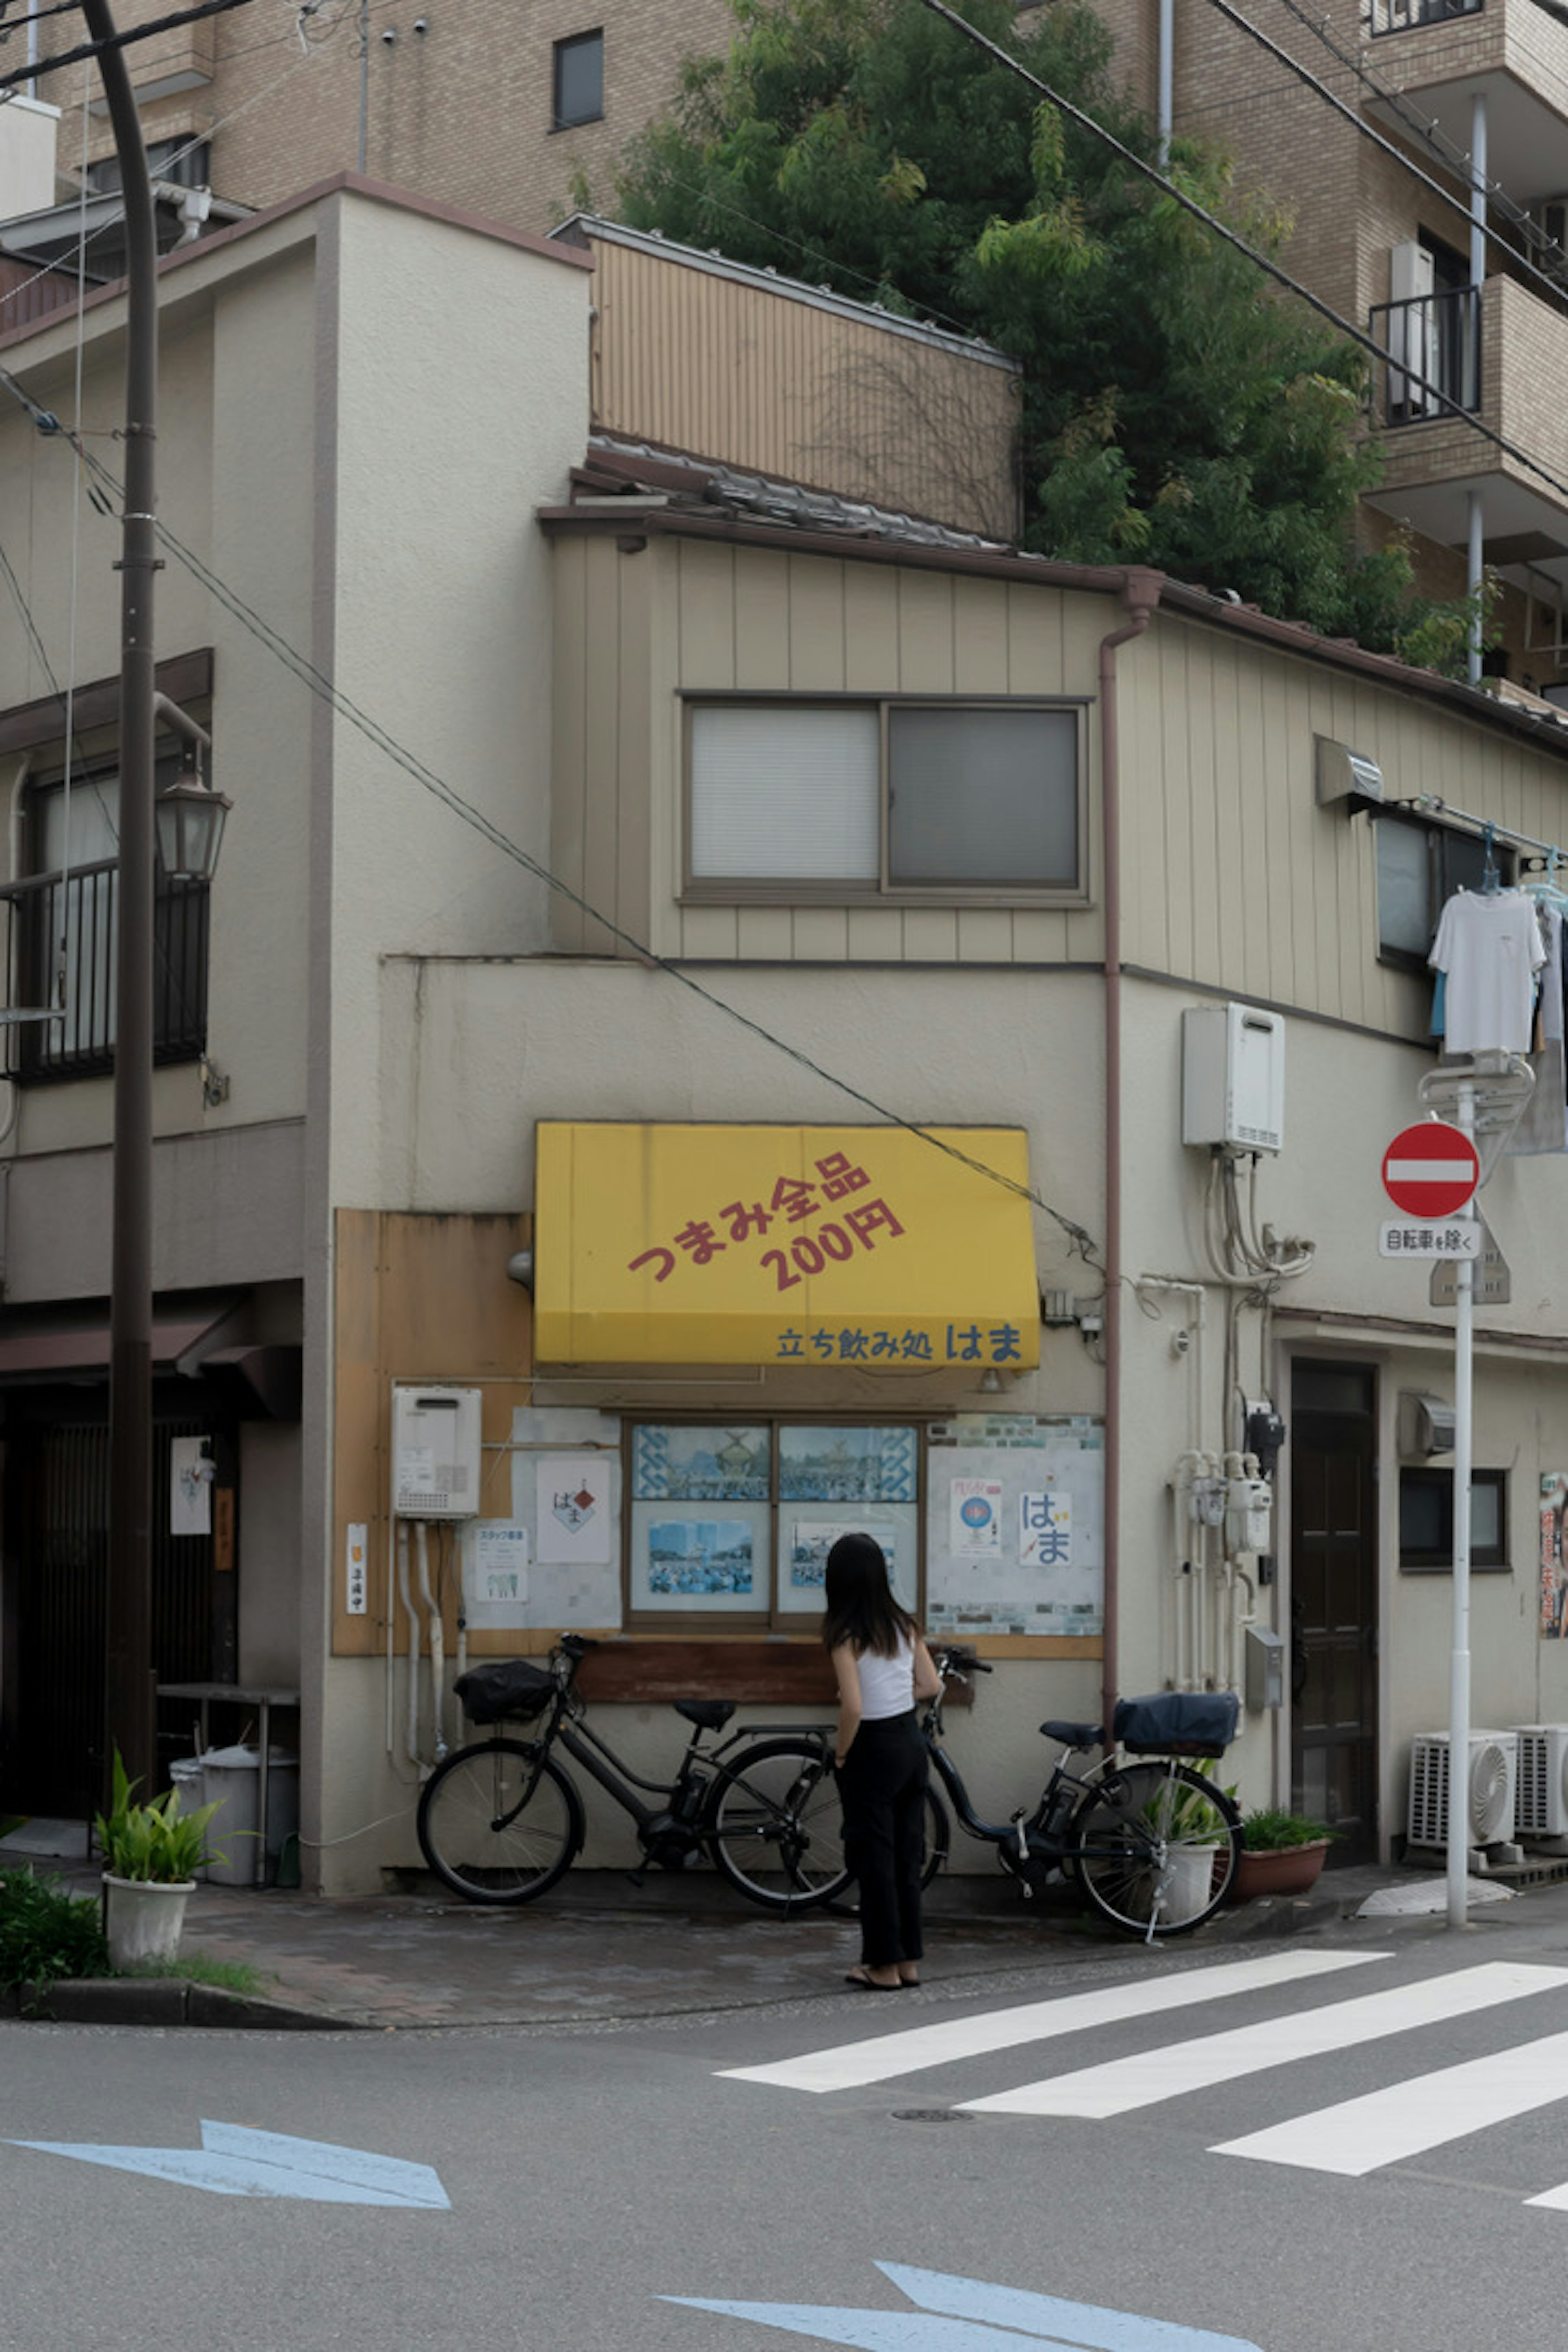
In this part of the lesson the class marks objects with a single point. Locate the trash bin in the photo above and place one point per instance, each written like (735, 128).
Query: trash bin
(231, 1776)
(185, 1775)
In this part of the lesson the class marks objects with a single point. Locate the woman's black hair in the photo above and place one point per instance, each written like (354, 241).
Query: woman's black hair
(860, 1608)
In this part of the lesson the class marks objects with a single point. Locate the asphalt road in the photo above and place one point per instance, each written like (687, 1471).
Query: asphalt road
(1163, 2154)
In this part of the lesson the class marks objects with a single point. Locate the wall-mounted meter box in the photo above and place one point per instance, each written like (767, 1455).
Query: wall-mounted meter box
(435, 1453)
(1232, 1077)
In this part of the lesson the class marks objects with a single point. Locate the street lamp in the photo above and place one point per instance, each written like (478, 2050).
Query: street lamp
(131, 1706)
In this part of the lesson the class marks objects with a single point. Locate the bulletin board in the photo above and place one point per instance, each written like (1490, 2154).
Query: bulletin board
(556, 1563)
(1016, 1525)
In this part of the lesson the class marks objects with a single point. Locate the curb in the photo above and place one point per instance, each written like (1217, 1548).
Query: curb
(163, 2001)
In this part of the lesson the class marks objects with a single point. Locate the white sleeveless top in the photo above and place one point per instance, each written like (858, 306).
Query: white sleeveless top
(887, 1685)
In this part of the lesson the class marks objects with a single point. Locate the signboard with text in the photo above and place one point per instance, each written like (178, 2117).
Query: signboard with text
(874, 1247)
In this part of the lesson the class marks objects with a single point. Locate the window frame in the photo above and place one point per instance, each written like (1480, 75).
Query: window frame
(767, 1618)
(1485, 1559)
(558, 121)
(776, 891)
(1440, 886)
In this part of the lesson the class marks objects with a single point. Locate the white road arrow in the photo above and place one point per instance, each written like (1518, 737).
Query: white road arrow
(234, 2162)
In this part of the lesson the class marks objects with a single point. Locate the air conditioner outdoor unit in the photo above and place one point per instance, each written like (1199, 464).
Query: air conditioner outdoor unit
(1494, 1760)
(1541, 1804)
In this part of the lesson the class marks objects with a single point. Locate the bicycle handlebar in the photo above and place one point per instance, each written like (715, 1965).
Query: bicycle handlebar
(950, 1658)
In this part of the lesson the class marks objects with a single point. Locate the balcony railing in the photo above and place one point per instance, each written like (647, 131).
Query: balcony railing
(1433, 342)
(52, 919)
(1411, 15)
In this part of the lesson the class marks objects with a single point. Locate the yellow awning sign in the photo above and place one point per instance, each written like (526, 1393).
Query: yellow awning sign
(855, 1245)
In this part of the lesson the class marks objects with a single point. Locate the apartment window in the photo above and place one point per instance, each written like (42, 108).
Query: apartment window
(579, 80)
(63, 922)
(1419, 867)
(178, 162)
(731, 1522)
(863, 799)
(1426, 1519)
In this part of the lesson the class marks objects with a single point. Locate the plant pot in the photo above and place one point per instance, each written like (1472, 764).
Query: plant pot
(142, 1918)
(1190, 1880)
(1278, 1870)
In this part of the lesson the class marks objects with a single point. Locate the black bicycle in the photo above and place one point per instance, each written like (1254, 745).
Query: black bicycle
(500, 1822)
(1153, 1844)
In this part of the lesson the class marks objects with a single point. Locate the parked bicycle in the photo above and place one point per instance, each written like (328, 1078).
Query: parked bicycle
(500, 1822)
(1152, 1844)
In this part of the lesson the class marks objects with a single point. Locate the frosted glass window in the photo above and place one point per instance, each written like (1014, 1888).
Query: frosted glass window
(1404, 889)
(983, 796)
(784, 795)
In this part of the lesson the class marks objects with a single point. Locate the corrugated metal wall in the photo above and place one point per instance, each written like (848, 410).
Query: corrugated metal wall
(788, 387)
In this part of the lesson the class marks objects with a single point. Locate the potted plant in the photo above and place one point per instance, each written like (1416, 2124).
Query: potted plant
(151, 1855)
(1281, 1854)
(1194, 1829)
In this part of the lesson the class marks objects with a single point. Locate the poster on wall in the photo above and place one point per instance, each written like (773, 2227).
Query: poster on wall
(974, 1518)
(573, 1567)
(1553, 1598)
(190, 1486)
(572, 1509)
(1014, 1524)
(495, 1575)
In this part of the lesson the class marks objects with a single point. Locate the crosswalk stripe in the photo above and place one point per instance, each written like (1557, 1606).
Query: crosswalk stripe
(1181, 2066)
(1358, 2135)
(853, 2064)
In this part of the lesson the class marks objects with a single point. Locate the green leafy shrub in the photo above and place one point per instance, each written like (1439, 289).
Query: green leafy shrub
(46, 1933)
(1271, 1829)
(153, 1842)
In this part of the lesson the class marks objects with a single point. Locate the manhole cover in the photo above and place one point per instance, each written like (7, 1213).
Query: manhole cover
(930, 2115)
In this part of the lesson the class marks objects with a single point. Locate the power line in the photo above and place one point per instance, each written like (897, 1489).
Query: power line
(1385, 146)
(1263, 261)
(319, 684)
(121, 41)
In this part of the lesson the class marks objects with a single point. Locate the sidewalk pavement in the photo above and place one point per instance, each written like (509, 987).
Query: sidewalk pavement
(599, 1948)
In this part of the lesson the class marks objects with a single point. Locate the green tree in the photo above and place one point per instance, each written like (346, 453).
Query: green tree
(1178, 408)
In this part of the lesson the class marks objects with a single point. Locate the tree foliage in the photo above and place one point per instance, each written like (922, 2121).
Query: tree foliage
(1178, 408)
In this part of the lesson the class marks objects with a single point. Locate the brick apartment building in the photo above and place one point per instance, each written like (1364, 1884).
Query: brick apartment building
(511, 113)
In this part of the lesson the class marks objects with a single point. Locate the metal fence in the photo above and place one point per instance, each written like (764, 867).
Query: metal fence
(1411, 16)
(60, 943)
(1434, 364)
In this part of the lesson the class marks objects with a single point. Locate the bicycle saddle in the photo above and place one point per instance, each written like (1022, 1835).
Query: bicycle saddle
(1073, 1735)
(707, 1714)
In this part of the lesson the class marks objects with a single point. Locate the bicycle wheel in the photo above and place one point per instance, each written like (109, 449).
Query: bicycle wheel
(774, 1824)
(1153, 1847)
(500, 1822)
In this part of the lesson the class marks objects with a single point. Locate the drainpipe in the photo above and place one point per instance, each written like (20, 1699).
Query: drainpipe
(1140, 594)
(1167, 107)
(1475, 551)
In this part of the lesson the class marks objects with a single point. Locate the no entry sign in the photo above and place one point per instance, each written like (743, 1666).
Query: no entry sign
(1430, 1171)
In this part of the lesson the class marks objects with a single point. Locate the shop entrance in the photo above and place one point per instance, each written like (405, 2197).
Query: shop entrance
(1333, 1601)
(56, 1590)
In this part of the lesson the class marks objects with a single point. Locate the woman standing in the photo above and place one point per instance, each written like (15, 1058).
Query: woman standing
(882, 1667)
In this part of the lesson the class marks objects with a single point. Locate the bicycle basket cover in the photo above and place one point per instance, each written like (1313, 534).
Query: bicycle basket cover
(1177, 1723)
(503, 1687)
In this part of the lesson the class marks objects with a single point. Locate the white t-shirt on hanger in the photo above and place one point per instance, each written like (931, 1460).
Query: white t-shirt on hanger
(1489, 945)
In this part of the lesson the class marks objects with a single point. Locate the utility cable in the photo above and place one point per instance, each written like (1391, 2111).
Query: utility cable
(1430, 132)
(1386, 146)
(1264, 261)
(122, 40)
(321, 685)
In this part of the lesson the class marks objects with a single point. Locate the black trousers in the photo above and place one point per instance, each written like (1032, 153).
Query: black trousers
(882, 1788)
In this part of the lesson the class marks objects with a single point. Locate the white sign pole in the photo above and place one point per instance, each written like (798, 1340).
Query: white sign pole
(1460, 1664)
